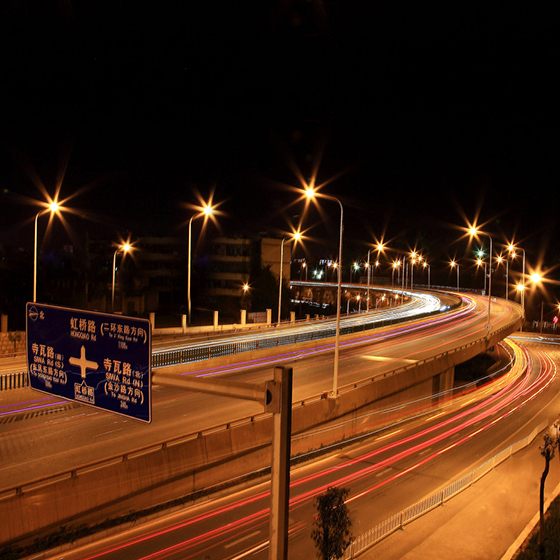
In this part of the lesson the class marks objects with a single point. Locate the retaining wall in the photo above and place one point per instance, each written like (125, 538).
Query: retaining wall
(11, 343)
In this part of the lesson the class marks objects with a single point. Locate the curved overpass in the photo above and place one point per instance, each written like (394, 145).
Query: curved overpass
(376, 363)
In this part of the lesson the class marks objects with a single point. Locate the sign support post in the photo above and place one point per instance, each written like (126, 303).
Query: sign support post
(276, 396)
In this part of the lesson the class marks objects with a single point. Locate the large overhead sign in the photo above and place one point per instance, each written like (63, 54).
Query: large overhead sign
(93, 358)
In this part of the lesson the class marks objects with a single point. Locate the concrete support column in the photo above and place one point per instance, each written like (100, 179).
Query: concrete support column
(269, 316)
(153, 320)
(292, 317)
(441, 383)
(215, 319)
(243, 316)
(184, 323)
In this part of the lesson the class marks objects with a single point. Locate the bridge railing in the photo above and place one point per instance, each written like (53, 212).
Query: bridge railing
(190, 355)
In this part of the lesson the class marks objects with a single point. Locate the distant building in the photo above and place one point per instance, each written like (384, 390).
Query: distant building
(152, 277)
(229, 266)
(237, 261)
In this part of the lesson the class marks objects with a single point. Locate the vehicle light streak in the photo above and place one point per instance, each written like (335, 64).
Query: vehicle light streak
(24, 408)
(492, 410)
(310, 352)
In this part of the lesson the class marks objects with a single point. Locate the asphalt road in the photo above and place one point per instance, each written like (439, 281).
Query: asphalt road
(385, 473)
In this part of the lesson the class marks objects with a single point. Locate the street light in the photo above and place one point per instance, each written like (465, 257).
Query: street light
(501, 259)
(206, 212)
(310, 194)
(379, 248)
(355, 267)
(512, 249)
(473, 231)
(52, 207)
(124, 249)
(413, 257)
(296, 237)
(454, 264)
(480, 262)
(395, 265)
(424, 265)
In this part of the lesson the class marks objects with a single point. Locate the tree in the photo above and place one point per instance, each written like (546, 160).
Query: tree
(547, 451)
(331, 527)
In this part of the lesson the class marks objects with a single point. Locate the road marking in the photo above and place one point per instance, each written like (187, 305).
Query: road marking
(393, 433)
(388, 359)
(249, 536)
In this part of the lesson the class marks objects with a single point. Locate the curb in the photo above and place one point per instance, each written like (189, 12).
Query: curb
(516, 545)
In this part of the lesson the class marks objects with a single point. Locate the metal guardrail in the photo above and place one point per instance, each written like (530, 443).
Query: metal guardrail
(198, 354)
(397, 521)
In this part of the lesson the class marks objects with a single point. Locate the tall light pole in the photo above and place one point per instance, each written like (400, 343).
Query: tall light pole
(424, 265)
(297, 235)
(454, 264)
(379, 248)
(480, 262)
(413, 256)
(395, 265)
(121, 248)
(512, 250)
(310, 194)
(53, 207)
(206, 211)
(473, 231)
(499, 260)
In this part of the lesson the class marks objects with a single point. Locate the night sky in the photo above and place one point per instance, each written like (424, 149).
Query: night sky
(419, 115)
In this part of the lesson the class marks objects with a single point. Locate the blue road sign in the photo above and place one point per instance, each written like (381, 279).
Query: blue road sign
(93, 358)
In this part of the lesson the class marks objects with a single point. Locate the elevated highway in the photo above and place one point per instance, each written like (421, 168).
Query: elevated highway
(202, 434)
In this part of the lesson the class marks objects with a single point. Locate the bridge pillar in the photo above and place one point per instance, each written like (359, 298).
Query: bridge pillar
(441, 383)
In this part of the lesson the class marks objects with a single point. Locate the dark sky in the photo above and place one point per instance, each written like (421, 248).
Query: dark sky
(421, 112)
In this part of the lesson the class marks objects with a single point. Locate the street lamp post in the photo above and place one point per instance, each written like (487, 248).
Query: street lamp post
(297, 235)
(124, 248)
(395, 266)
(53, 207)
(368, 280)
(480, 262)
(379, 249)
(473, 231)
(424, 265)
(207, 211)
(511, 249)
(454, 264)
(311, 193)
